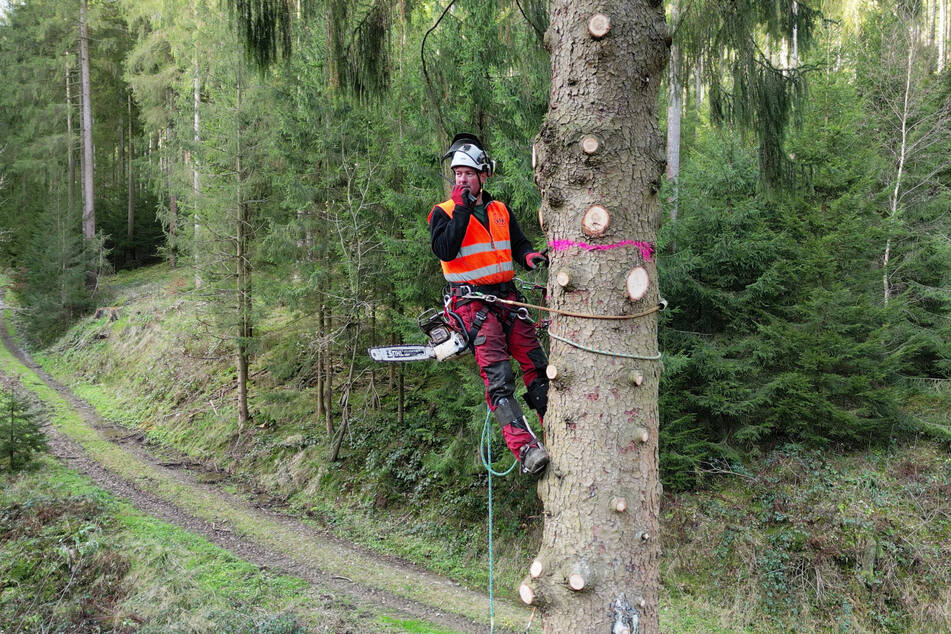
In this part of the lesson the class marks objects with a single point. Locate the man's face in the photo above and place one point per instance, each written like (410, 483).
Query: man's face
(468, 177)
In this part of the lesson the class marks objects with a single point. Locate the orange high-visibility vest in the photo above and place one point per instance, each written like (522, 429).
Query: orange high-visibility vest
(485, 257)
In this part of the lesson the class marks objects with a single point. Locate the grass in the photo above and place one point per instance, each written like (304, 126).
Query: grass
(794, 540)
(244, 521)
(99, 563)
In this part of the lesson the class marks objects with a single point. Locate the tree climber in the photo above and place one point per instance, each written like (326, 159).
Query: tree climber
(476, 239)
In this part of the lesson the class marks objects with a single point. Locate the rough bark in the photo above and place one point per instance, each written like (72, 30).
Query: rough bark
(606, 87)
(89, 208)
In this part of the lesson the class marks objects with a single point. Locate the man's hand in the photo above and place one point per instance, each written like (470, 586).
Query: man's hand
(535, 259)
(462, 196)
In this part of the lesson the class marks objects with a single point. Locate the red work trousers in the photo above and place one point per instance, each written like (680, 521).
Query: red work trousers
(503, 336)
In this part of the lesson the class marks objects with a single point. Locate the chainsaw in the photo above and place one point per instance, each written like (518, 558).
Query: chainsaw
(446, 340)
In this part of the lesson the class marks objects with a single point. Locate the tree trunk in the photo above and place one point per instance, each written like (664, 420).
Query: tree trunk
(598, 565)
(345, 399)
(89, 209)
(901, 152)
(196, 189)
(319, 388)
(942, 27)
(794, 47)
(328, 373)
(401, 398)
(674, 112)
(120, 153)
(70, 159)
(243, 266)
(130, 187)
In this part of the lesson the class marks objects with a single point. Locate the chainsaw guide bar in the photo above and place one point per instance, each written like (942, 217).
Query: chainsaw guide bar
(402, 353)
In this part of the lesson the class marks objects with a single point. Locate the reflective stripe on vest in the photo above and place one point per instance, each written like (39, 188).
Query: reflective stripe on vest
(485, 256)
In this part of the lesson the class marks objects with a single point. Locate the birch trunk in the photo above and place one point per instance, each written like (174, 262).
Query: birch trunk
(674, 113)
(196, 188)
(942, 28)
(901, 155)
(598, 565)
(794, 45)
(89, 208)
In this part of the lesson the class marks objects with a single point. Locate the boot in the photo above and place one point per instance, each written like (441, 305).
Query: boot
(533, 457)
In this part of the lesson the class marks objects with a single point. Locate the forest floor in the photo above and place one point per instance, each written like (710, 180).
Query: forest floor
(176, 490)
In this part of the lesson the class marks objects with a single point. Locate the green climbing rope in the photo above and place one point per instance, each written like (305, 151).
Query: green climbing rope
(655, 357)
(486, 456)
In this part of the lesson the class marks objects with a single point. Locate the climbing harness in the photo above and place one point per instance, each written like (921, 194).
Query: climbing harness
(492, 299)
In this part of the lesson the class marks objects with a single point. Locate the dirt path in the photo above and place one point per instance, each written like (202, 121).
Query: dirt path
(118, 462)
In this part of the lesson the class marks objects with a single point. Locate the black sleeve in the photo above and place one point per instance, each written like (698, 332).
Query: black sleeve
(446, 233)
(520, 244)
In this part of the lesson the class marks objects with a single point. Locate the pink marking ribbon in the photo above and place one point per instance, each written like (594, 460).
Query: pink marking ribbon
(646, 248)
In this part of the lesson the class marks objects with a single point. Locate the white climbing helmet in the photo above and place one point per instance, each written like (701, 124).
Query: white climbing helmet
(466, 151)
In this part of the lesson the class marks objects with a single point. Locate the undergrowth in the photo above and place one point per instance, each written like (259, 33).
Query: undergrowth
(793, 539)
(74, 559)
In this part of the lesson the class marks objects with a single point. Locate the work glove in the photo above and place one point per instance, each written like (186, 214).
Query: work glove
(462, 197)
(535, 259)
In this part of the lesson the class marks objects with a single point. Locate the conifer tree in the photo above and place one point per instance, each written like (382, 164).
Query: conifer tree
(600, 150)
(21, 421)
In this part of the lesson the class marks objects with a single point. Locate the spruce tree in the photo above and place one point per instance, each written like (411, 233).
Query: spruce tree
(21, 421)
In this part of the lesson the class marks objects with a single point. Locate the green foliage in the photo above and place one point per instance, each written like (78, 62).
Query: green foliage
(54, 287)
(751, 85)
(75, 559)
(61, 567)
(774, 331)
(21, 421)
(813, 540)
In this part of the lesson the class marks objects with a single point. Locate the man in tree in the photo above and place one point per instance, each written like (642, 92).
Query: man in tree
(477, 241)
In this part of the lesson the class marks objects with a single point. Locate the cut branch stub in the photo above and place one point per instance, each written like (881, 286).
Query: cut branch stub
(563, 279)
(643, 536)
(554, 373)
(579, 577)
(637, 283)
(635, 378)
(590, 144)
(536, 569)
(531, 593)
(599, 25)
(595, 221)
(619, 504)
(641, 435)
(526, 593)
(534, 156)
